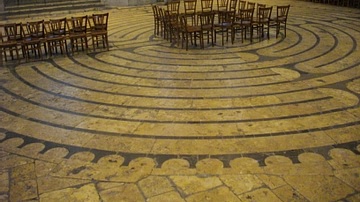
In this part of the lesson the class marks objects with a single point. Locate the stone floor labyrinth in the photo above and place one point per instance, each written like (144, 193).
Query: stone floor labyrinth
(272, 120)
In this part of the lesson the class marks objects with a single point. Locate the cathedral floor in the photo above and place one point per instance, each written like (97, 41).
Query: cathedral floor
(272, 120)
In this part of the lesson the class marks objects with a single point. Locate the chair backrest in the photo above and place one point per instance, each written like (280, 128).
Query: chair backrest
(58, 26)
(226, 17)
(207, 20)
(3, 36)
(282, 11)
(190, 7)
(100, 21)
(247, 15)
(250, 5)
(35, 29)
(222, 5)
(155, 9)
(232, 5)
(264, 14)
(242, 5)
(206, 5)
(183, 23)
(173, 6)
(14, 31)
(160, 12)
(79, 24)
(190, 10)
(258, 6)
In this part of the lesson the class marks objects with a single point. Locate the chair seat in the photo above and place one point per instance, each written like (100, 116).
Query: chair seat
(263, 21)
(6, 44)
(32, 40)
(77, 35)
(193, 28)
(223, 24)
(58, 32)
(281, 18)
(32, 46)
(54, 37)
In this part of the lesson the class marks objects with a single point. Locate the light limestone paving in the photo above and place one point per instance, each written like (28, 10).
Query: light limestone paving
(273, 120)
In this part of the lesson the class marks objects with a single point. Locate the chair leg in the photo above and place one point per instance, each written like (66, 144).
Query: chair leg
(107, 41)
(251, 34)
(93, 42)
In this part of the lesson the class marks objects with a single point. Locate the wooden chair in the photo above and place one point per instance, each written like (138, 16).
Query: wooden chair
(14, 31)
(8, 46)
(172, 26)
(188, 31)
(244, 23)
(281, 18)
(262, 21)
(206, 27)
(157, 20)
(163, 24)
(55, 32)
(99, 30)
(225, 20)
(78, 33)
(34, 39)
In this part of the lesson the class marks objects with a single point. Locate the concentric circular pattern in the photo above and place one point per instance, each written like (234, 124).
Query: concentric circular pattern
(147, 97)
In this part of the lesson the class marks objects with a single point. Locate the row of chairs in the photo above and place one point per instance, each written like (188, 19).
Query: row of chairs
(229, 17)
(50, 37)
(346, 3)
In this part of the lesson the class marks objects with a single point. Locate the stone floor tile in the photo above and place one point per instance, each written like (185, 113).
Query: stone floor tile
(272, 181)
(193, 184)
(23, 172)
(121, 192)
(4, 181)
(218, 194)
(287, 193)
(209, 166)
(48, 183)
(84, 193)
(44, 168)
(240, 184)
(21, 190)
(4, 197)
(262, 194)
(172, 196)
(353, 198)
(350, 176)
(155, 185)
(319, 188)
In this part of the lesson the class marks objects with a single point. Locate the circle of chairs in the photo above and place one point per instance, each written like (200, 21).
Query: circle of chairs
(227, 19)
(55, 36)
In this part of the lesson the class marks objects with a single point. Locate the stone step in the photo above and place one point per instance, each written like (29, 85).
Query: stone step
(27, 10)
(45, 4)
